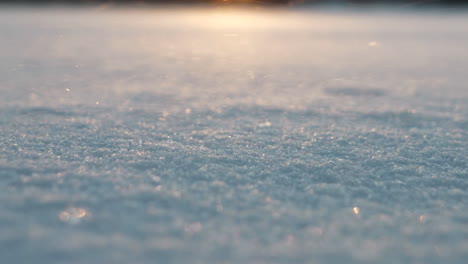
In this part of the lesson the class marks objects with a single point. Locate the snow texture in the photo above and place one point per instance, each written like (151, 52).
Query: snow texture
(230, 136)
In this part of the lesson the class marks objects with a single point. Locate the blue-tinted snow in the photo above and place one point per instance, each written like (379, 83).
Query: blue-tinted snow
(215, 136)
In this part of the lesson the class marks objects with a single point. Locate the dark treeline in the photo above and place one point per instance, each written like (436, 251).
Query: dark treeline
(260, 2)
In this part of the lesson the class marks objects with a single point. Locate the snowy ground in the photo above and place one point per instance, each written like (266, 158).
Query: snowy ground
(217, 136)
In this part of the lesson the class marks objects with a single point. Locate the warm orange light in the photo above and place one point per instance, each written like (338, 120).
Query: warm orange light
(238, 1)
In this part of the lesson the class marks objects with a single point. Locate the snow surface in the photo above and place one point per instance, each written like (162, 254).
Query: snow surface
(230, 136)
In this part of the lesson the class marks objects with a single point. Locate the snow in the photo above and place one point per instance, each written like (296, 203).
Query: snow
(233, 136)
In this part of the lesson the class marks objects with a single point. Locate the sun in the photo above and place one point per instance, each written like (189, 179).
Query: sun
(256, 2)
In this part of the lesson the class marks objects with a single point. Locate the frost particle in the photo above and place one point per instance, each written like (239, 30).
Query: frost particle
(356, 210)
(265, 124)
(73, 215)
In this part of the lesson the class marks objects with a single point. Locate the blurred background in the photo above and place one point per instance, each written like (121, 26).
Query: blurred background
(256, 2)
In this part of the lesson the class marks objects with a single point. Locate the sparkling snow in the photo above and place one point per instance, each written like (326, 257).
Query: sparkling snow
(227, 136)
